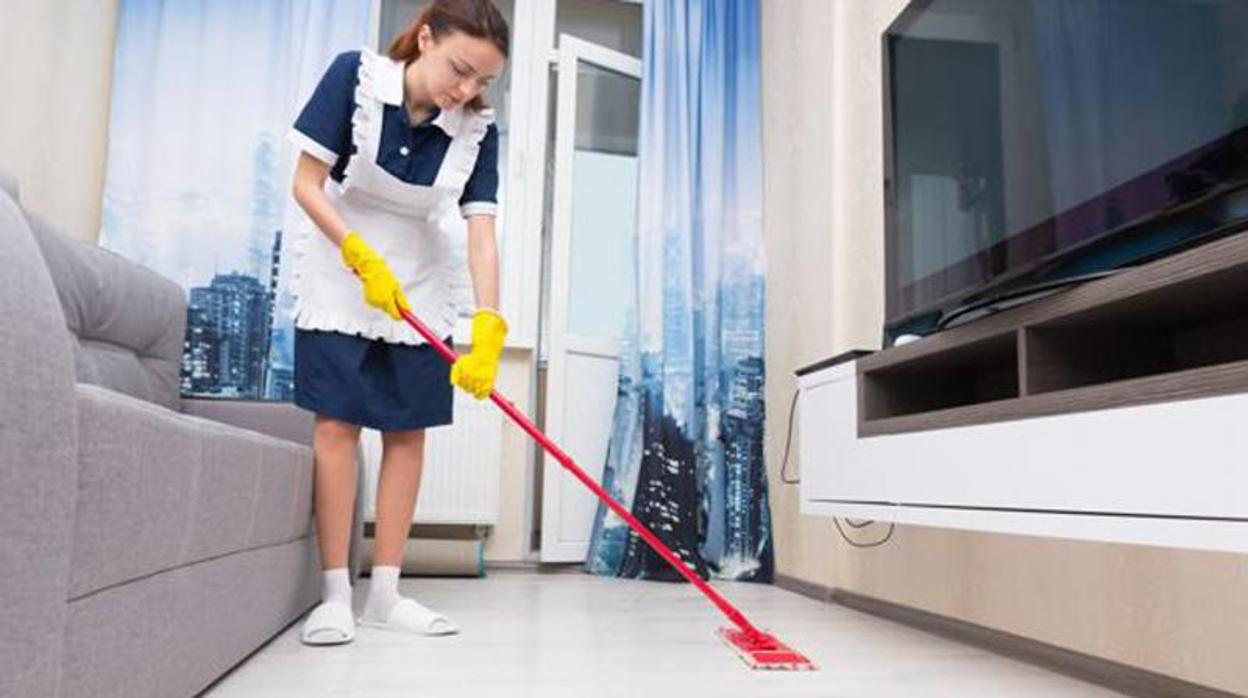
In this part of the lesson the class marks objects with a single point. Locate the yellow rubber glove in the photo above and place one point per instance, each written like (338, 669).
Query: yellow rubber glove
(476, 371)
(381, 289)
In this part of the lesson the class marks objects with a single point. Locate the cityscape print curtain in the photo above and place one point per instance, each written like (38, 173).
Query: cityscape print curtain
(199, 169)
(686, 452)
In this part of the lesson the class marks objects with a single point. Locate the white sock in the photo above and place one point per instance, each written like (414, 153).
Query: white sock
(383, 592)
(336, 586)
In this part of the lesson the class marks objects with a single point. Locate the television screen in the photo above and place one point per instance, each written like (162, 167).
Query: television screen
(1031, 140)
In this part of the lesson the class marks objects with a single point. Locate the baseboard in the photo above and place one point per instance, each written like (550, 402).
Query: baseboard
(1103, 672)
(533, 567)
(443, 531)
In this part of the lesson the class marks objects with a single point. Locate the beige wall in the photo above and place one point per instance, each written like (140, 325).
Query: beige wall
(56, 61)
(1176, 612)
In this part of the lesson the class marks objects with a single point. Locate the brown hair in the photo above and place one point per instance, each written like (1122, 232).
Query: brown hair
(476, 18)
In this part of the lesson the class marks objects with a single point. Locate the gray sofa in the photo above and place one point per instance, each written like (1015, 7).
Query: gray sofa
(147, 543)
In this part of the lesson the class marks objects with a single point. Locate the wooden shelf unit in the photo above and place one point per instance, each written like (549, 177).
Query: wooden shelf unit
(1172, 329)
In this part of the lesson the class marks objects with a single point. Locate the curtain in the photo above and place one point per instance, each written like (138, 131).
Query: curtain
(686, 451)
(199, 169)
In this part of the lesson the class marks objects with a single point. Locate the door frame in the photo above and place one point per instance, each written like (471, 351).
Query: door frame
(571, 53)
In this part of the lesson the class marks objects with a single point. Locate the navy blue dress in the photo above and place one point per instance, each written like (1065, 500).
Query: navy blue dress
(370, 382)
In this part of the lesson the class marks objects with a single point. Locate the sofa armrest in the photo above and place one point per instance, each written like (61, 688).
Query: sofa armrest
(38, 464)
(284, 420)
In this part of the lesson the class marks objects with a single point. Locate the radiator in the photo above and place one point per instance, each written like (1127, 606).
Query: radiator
(461, 478)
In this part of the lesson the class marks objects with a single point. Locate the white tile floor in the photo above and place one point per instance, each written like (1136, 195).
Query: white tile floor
(571, 634)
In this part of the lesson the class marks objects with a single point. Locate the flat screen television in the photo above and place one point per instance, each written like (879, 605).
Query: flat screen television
(1034, 143)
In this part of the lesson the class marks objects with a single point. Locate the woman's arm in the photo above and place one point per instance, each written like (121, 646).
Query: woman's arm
(381, 289)
(483, 260)
(309, 190)
(476, 371)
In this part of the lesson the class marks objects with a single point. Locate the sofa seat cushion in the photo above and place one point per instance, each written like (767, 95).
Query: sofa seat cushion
(158, 490)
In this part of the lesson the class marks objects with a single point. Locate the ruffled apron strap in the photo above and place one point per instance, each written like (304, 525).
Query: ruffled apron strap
(461, 156)
(380, 82)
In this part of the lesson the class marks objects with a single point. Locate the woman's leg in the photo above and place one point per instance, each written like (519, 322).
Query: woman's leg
(402, 461)
(334, 445)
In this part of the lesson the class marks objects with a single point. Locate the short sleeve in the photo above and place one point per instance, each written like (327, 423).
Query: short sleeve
(481, 191)
(323, 128)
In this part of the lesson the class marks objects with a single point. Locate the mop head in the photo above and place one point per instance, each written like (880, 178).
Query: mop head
(764, 651)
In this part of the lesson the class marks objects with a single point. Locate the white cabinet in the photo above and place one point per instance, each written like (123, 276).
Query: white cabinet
(1171, 473)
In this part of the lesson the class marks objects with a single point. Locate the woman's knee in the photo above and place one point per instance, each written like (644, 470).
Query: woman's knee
(412, 438)
(331, 432)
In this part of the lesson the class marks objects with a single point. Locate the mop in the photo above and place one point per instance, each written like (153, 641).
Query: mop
(758, 649)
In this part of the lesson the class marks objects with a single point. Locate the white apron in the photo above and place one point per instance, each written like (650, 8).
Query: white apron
(397, 219)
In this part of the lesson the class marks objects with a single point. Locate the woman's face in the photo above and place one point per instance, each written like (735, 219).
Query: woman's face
(458, 67)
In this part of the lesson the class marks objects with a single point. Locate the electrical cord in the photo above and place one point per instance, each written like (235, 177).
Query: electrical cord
(991, 303)
(788, 441)
(856, 544)
(857, 524)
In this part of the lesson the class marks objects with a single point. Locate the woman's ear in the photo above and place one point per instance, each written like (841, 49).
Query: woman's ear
(424, 39)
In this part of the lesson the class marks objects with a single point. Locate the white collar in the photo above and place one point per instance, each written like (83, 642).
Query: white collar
(390, 91)
(449, 120)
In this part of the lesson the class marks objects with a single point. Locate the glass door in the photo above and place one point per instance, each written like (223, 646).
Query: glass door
(591, 279)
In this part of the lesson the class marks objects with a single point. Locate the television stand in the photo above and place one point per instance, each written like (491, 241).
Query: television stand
(1115, 410)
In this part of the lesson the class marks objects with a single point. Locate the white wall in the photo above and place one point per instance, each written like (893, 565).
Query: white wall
(56, 62)
(1175, 612)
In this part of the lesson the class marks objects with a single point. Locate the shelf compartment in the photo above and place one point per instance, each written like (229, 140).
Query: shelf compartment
(1198, 323)
(1191, 384)
(975, 373)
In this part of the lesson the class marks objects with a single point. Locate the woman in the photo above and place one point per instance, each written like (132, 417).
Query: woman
(389, 145)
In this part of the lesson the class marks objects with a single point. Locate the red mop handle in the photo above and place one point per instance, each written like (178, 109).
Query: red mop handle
(728, 609)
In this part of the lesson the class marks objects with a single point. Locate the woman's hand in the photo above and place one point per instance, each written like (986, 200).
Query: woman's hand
(476, 371)
(381, 289)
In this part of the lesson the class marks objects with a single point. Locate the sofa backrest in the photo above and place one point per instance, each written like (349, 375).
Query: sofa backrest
(128, 321)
